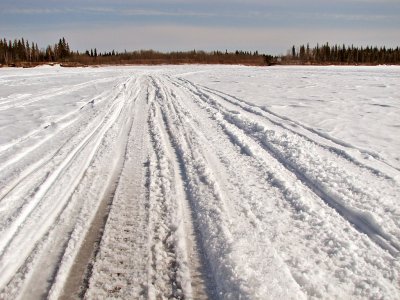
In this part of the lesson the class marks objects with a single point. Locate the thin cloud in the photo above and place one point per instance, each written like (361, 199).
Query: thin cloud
(355, 17)
(185, 13)
(145, 12)
(35, 11)
(107, 10)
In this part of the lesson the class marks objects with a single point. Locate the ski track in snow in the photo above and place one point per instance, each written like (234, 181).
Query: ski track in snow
(141, 183)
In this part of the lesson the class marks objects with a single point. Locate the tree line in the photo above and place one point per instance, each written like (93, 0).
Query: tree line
(21, 52)
(151, 57)
(342, 54)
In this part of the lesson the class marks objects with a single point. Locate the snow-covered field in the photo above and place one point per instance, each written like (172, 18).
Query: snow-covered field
(200, 182)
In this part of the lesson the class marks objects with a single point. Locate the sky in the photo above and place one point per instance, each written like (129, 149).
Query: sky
(268, 26)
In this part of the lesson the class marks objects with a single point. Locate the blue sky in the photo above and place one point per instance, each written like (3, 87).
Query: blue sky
(270, 26)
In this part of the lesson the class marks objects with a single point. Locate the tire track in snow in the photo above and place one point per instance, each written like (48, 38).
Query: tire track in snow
(120, 266)
(76, 263)
(57, 92)
(164, 264)
(210, 200)
(81, 271)
(201, 285)
(18, 155)
(63, 121)
(19, 191)
(24, 170)
(145, 220)
(306, 212)
(97, 133)
(364, 222)
(323, 140)
(9, 257)
(162, 114)
(36, 275)
(96, 185)
(186, 275)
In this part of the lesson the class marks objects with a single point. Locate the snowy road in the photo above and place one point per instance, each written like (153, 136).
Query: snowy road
(200, 182)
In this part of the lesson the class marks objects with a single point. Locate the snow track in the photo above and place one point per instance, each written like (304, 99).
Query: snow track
(152, 186)
(287, 147)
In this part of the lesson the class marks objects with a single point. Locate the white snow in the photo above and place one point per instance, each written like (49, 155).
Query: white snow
(200, 182)
(356, 106)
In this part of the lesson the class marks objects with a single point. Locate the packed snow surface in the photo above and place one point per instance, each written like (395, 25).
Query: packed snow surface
(222, 182)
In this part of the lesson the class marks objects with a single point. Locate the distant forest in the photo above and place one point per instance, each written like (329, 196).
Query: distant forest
(342, 55)
(22, 53)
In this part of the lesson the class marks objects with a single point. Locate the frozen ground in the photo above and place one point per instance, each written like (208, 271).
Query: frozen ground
(200, 182)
